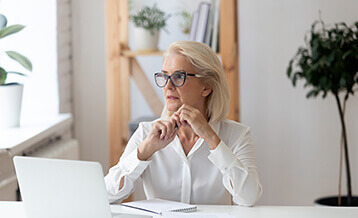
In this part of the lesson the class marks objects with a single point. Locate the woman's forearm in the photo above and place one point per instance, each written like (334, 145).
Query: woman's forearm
(212, 139)
(145, 151)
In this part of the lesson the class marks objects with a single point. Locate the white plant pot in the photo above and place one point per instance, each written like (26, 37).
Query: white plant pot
(10, 105)
(144, 40)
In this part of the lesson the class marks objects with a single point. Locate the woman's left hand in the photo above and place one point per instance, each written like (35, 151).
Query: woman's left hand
(193, 118)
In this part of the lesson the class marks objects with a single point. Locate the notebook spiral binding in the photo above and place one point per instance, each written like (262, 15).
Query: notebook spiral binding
(185, 210)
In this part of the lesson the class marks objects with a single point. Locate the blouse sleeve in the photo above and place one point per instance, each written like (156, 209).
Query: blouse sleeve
(129, 167)
(239, 170)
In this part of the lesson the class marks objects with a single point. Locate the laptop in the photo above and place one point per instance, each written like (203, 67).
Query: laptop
(63, 188)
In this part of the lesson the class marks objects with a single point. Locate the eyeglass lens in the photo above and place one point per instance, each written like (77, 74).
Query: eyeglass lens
(177, 79)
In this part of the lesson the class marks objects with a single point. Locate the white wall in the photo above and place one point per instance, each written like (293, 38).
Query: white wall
(297, 140)
(89, 80)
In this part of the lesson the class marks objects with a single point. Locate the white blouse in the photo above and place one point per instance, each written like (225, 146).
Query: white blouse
(221, 176)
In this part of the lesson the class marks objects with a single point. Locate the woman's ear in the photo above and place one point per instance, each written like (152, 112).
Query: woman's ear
(206, 91)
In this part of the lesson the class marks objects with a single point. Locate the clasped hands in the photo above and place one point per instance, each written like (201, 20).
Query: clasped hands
(164, 132)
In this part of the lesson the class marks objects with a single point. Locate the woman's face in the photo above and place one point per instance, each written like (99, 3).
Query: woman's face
(192, 92)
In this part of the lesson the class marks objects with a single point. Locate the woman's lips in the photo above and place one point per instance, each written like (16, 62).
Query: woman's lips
(169, 97)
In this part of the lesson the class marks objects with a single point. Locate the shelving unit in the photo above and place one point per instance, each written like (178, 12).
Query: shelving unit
(133, 54)
(122, 64)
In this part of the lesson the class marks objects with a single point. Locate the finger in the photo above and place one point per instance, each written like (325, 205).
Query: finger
(163, 130)
(174, 126)
(178, 114)
(156, 128)
(171, 137)
(183, 105)
(177, 120)
(185, 114)
(187, 109)
(173, 129)
(185, 118)
(176, 117)
(181, 121)
(192, 112)
(167, 126)
(175, 132)
(180, 109)
(170, 129)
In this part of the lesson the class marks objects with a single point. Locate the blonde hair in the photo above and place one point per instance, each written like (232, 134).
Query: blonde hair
(207, 64)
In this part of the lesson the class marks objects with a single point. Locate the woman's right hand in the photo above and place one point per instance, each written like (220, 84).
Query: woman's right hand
(161, 134)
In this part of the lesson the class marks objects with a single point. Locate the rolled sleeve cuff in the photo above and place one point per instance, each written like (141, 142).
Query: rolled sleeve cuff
(224, 159)
(132, 166)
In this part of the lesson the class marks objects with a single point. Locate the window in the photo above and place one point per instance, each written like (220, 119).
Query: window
(37, 41)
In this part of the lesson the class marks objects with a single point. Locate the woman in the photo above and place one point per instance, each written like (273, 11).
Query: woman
(192, 153)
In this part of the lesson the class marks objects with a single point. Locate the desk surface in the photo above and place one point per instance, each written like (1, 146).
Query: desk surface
(17, 139)
(13, 209)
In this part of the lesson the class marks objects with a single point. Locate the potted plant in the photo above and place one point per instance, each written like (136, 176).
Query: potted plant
(148, 22)
(185, 21)
(329, 64)
(11, 93)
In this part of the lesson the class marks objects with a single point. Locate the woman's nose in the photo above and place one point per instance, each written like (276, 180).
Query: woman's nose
(169, 85)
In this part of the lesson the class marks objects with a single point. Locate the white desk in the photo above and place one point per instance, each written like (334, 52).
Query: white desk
(23, 139)
(17, 139)
(13, 209)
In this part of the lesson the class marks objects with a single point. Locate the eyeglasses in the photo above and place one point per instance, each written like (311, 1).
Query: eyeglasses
(177, 79)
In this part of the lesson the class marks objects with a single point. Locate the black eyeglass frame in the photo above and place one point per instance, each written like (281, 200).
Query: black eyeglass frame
(175, 73)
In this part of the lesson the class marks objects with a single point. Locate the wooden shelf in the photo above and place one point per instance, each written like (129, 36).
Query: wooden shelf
(130, 53)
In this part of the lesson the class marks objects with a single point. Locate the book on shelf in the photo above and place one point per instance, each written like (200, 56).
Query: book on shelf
(205, 24)
(210, 25)
(194, 25)
(216, 26)
(204, 10)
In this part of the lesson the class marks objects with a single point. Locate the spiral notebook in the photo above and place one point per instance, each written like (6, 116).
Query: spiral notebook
(159, 206)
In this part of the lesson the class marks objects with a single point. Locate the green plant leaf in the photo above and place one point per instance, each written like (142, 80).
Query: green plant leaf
(289, 69)
(18, 73)
(3, 21)
(3, 75)
(294, 79)
(324, 94)
(346, 54)
(150, 18)
(21, 59)
(329, 60)
(342, 82)
(323, 81)
(11, 30)
(312, 93)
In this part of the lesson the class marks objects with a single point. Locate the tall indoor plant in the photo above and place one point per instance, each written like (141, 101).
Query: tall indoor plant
(11, 93)
(148, 22)
(329, 64)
